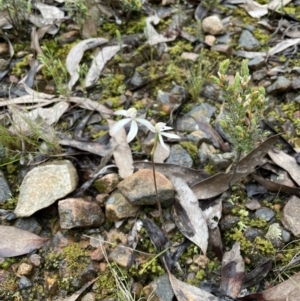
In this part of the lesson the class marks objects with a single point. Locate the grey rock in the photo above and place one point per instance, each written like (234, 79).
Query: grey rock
(221, 161)
(259, 75)
(286, 236)
(296, 83)
(198, 137)
(225, 39)
(117, 207)
(290, 216)
(265, 213)
(213, 25)
(247, 41)
(253, 204)
(89, 297)
(35, 259)
(256, 63)
(178, 155)
(228, 222)
(5, 192)
(282, 84)
(30, 224)
(120, 255)
(251, 233)
(139, 188)
(186, 124)
(160, 289)
(212, 91)
(163, 97)
(205, 151)
(77, 213)
(204, 110)
(222, 48)
(24, 283)
(137, 79)
(44, 185)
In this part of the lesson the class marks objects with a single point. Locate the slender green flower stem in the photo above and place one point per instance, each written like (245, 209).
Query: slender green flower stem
(155, 184)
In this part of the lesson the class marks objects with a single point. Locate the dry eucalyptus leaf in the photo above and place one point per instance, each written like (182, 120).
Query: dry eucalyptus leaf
(122, 153)
(288, 290)
(233, 268)
(273, 186)
(219, 183)
(161, 153)
(15, 241)
(190, 204)
(49, 12)
(286, 162)
(104, 55)
(100, 149)
(186, 292)
(257, 10)
(75, 55)
(282, 46)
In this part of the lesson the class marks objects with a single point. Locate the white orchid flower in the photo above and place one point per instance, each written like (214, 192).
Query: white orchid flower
(130, 115)
(159, 129)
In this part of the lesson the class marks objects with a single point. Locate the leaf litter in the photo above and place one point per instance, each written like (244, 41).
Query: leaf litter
(192, 219)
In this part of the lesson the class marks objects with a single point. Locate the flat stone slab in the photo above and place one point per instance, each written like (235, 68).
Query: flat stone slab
(290, 216)
(78, 213)
(44, 185)
(139, 188)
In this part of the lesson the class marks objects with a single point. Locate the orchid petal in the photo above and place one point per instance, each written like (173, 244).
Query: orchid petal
(119, 125)
(133, 131)
(159, 126)
(161, 140)
(146, 123)
(131, 113)
(169, 135)
(166, 128)
(121, 112)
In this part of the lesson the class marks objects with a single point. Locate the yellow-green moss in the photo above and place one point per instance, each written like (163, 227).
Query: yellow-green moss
(113, 85)
(192, 149)
(21, 67)
(75, 258)
(261, 36)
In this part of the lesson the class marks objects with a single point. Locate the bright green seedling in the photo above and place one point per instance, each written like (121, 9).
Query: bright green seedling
(243, 106)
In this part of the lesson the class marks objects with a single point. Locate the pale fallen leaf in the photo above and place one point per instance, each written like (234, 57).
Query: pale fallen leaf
(186, 292)
(190, 204)
(49, 12)
(29, 122)
(283, 45)
(232, 274)
(257, 10)
(15, 241)
(75, 55)
(104, 55)
(122, 153)
(286, 162)
(249, 54)
(288, 290)
(161, 153)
